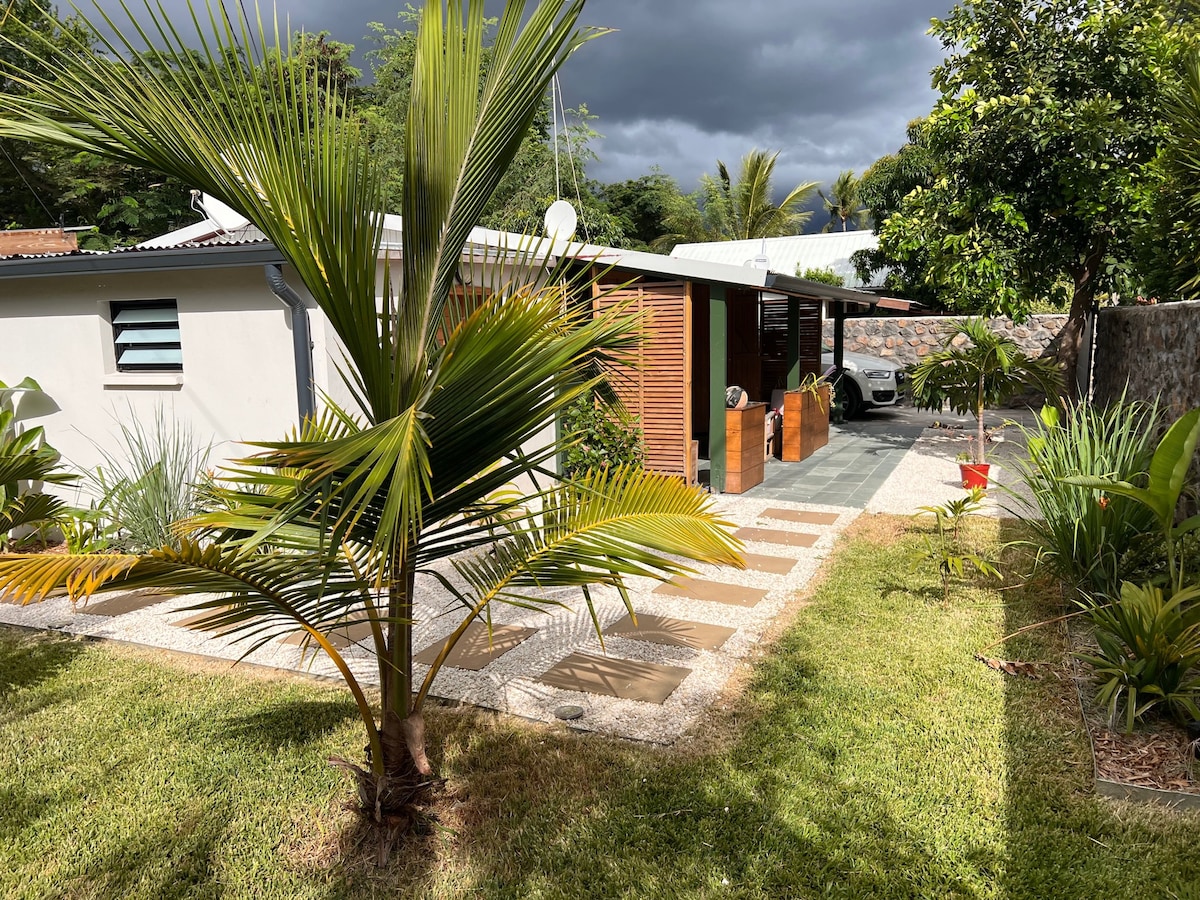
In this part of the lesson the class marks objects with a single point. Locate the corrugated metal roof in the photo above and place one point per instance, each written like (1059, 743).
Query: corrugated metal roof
(793, 255)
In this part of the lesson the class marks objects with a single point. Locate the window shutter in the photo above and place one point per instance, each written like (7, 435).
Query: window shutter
(146, 336)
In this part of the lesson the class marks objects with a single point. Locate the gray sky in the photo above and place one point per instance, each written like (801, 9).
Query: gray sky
(682, 83)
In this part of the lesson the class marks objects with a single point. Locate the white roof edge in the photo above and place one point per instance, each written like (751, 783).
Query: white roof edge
(198, 231)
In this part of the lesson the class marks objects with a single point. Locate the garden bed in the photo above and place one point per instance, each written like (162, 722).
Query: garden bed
(1155, 763)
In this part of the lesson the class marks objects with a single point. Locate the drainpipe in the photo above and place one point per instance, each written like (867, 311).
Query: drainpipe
(301, 340)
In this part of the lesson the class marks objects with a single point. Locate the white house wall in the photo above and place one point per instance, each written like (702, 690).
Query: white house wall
(238, 381)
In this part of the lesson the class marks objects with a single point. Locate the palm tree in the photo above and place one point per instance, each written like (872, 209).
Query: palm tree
(728, 210)
(350, 516)
(843, 203)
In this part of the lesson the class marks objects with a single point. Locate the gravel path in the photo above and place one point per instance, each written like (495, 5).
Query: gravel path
(928, 474)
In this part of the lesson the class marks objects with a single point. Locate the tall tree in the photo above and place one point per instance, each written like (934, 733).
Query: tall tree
(354, 517)
(1043, 143)
(641, 206)
(728, 210)
(47, 186)
(844, 203)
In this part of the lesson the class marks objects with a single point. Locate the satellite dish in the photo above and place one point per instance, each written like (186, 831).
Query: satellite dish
(226, 218)
(561, 221)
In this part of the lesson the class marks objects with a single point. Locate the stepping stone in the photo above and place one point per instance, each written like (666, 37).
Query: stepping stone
(771, 536)
(473, 651)
(801, 516)
(126, 603)
(715, 591)
(672, 632)
(627, 679)
(776, 565)
(341, 637)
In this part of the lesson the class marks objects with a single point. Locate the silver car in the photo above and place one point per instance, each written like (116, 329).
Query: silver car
(871, 382)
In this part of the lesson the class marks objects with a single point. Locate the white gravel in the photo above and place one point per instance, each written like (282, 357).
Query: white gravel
(928, 474)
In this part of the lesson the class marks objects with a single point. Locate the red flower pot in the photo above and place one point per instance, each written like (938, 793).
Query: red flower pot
(974, 475)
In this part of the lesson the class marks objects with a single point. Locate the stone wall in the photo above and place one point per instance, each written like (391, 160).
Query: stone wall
(1155, 350)
(907, 339)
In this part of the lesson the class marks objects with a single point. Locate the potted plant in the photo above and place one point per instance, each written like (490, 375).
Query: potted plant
(806, 418)
(980, 371)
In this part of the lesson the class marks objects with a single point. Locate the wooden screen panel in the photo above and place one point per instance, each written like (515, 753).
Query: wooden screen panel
(774, 341)
(657, 389)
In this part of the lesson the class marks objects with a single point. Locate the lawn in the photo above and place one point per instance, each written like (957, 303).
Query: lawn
(866, 755)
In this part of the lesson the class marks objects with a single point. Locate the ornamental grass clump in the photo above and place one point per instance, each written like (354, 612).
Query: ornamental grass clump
(1089, 541)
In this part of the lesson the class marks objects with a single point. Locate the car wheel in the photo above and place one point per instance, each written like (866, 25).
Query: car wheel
(852, 401)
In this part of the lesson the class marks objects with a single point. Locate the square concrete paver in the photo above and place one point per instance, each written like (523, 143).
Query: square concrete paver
(672, 632)
(772, 536)
(341, 637)
(473, 651)
(802, 516)
(627, 679)
(714, 591)
(776, 565)
(126, 603)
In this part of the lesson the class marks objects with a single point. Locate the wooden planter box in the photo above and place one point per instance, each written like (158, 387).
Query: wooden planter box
(745, 436)
(805, 423)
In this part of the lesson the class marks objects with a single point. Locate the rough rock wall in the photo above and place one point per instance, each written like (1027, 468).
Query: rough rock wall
(908, 339)
(1153, 349)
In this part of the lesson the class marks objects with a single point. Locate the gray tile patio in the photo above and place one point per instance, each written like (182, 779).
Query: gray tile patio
(849, 469)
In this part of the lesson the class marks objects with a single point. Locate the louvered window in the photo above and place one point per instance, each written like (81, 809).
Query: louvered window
(146, 336)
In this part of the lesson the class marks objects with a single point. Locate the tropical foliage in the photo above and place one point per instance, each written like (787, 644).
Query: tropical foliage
(143, 489)
(843, 204)
(978, 369)
(1149, 647)
(1166, 480)
(25, 460)
(1042, 151)
(600, 436)
(357, 514)
(729, 210)
(1089, 541)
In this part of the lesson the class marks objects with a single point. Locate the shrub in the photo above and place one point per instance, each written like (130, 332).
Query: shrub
(1149, 647)
(602, 436)
(25, 460)
(149, 485)
(1090, 541)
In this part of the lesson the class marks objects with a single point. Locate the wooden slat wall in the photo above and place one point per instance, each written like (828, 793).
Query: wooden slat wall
(657, 392)
(774, 342)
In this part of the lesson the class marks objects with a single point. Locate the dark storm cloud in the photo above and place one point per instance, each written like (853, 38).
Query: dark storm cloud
(829, 83)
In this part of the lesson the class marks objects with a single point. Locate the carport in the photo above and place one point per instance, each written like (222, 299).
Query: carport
(713, 325)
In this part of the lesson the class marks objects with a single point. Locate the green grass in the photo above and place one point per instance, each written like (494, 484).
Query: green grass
(868, 756)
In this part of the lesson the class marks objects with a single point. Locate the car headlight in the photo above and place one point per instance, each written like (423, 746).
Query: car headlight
(877, 374)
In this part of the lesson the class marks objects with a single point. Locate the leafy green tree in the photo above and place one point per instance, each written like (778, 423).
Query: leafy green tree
(642, 206)
(46, 186)
(844, 203)
(882, 189)
(821, 276)
(1043, 146)
(354, 517)
(728, 210)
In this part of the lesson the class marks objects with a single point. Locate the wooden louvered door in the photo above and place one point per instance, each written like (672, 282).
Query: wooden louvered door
(658, 390)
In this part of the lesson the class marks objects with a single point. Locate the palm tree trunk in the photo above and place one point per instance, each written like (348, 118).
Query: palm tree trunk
(402, 730)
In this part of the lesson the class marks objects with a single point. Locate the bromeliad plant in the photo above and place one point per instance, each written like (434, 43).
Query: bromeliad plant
(1149, 647)
(353, 517)
(985, 374)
